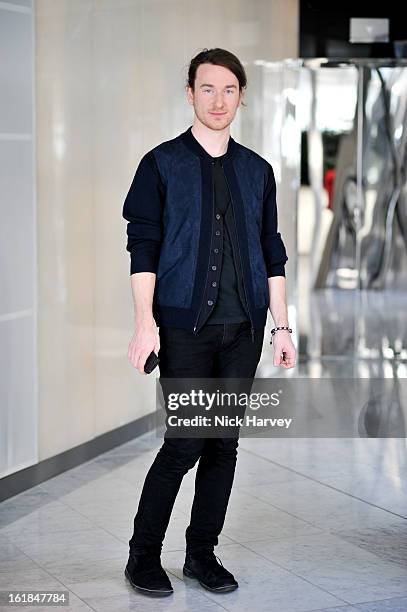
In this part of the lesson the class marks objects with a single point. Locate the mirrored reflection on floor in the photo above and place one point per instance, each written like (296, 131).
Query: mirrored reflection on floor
(363, 324)
(352, 325)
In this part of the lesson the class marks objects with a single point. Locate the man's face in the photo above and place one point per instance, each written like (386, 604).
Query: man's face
(216, 96)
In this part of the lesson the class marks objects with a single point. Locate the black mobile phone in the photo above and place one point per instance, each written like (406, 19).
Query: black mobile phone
(151, 362)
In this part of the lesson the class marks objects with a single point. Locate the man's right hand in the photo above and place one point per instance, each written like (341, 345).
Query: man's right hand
(145, 340)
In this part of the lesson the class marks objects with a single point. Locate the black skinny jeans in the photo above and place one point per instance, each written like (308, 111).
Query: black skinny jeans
(218, 351)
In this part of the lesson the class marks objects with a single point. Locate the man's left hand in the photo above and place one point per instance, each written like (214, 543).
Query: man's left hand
(284, 349)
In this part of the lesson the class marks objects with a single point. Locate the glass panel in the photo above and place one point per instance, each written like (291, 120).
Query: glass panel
(342, 200)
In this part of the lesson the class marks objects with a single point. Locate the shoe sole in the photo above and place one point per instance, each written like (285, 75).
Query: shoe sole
(224, 589)
(145, 591)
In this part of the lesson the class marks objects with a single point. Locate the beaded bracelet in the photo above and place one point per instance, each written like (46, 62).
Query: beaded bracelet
(273, 331)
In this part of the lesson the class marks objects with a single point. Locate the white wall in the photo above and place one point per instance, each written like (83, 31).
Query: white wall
(110, 78)
(18, 359)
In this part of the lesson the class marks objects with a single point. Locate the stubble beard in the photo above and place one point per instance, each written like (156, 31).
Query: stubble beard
(215, 124)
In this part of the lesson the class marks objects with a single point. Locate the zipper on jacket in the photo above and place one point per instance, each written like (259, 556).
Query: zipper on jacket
(240, 255)
(210, 251)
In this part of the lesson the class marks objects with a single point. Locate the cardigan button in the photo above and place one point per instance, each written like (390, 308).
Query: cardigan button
(210, 303)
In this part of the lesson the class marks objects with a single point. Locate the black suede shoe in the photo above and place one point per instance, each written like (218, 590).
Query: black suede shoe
(146, 574)
(212, 576)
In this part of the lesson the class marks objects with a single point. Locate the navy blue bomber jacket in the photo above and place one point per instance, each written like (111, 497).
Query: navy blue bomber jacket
(170, 214)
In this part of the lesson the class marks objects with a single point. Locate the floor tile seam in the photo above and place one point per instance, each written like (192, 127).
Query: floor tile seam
(378, 555)
(325, 530)
(299, 576)
(37, 565)
(374, 601)
(95, 525)
(75, 510)
(70, 590)
(325, 609)
(327, 485)
(283, 511)
(58, 497)
(114, 596)
(69, 563)
(361, 548)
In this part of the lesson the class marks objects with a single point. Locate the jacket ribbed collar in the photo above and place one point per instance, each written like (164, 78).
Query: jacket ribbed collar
(191, 142)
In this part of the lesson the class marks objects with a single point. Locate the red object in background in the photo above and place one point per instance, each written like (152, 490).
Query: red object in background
(329, 181)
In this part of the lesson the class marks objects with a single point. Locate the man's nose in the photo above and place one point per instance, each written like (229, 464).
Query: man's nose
(219, 101)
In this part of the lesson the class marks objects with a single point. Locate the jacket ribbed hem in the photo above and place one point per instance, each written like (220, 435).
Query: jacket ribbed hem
(186, 317)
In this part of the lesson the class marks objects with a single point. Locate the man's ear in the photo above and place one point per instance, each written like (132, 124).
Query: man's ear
(189, 95)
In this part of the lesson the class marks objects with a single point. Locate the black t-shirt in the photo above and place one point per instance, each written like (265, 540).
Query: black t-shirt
(228, 307)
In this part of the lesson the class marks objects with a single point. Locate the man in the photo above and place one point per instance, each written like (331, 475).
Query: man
(207, 263)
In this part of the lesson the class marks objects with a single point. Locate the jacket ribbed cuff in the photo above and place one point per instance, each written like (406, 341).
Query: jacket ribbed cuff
(144, 261)
(276, 270)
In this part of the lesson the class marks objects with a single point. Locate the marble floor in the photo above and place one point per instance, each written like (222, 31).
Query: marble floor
(313, 524)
